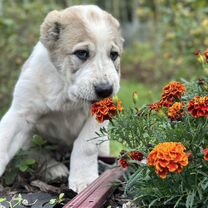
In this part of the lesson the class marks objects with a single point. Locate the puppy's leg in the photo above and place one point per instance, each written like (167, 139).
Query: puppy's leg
(83, 166)
(104, 147)
(14, 130)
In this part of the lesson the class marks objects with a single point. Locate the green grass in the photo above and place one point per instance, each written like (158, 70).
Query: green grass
(146, 94)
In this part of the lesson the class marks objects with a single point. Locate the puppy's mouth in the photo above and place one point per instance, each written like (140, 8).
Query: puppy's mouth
(89, 101)
(94, 101)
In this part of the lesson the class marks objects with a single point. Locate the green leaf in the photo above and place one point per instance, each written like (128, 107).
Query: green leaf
(10, 177)
(37, 140)
(153, 202)
(2, 200)
(52, 201)
(61, 196)
(204, 184)
(30, 162)
(23, 168)
(190, 200)
(178, 201)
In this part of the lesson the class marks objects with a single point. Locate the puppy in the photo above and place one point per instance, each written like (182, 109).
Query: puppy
(75, 63)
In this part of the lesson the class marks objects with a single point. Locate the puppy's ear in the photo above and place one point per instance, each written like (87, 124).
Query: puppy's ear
(50, 29)
(116, 25)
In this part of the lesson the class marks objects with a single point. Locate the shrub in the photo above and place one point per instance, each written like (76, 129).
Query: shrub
(168, 31)
(19, 25)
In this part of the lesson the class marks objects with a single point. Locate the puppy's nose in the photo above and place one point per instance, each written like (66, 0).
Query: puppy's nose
(103, 90)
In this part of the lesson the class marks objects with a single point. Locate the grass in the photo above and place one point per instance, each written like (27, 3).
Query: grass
(146, 94)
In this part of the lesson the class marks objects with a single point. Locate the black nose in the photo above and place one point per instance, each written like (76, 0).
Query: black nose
(103, 90)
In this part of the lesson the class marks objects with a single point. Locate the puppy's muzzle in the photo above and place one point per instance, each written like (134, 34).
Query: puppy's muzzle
(103, 90)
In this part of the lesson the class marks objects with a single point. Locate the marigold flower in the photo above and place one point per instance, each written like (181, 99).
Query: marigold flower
(176, 112)
(206, 54)
(135, 155)
(155, 106)
(197, 53)
(163, 103)
(206, 154)
(173, 92)
(168, 157)
(202, 82)
(198, 107)
(123, 163)
(167, 102)
(201, 57)
(189, 155)
(106, 109)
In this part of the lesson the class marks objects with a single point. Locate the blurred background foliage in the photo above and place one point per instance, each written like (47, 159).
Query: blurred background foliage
(161, 38)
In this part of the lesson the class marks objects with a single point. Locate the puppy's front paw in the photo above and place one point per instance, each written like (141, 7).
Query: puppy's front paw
(78, 184)
(55, 170)
(2, 169)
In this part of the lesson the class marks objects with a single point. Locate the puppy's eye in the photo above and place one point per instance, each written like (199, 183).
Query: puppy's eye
(114, 55)
(82, 54)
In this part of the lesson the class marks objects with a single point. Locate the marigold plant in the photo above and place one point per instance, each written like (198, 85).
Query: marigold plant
(171, 138)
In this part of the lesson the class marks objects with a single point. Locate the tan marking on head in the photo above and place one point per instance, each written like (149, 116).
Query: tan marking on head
(94, 16)
(63, 26)
(62, 30)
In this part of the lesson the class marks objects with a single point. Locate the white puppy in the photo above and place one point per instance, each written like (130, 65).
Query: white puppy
(76, 63)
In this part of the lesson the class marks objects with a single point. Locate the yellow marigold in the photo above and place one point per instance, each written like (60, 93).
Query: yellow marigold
(168, 157)
(176, 112)
(198, 107)
(173, 92)
(106, 109)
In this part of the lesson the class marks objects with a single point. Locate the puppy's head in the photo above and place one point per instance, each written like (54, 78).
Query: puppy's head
(85, 45)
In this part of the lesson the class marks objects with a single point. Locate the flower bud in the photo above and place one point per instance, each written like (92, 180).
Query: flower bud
(201, 59)
(135, 97)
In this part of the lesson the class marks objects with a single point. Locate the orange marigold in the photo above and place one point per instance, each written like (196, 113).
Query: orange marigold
(168, 157)
(167, 102)
(176, 112)
(106, 109)
(206, 154)
(198, 107)
(206, 54)
(155, 106)
(173, 92)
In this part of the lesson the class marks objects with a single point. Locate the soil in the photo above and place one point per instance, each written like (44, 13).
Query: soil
(38, 193)
(118, 200)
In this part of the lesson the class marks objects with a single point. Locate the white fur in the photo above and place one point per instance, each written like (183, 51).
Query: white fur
(55, 103)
